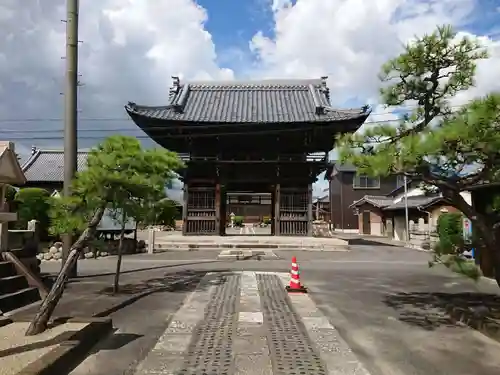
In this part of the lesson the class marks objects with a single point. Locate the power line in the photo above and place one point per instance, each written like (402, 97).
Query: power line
(184, 127)
(121, 119)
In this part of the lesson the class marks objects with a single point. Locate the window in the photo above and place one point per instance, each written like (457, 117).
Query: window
(365, 182)
(400, 181)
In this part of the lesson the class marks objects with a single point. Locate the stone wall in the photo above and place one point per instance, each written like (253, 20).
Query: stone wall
(98, 249)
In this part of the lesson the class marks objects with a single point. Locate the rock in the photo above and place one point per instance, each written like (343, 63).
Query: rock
(103, 254)
(58, 245)
(89, 255)
(39, 256)
(47, 256)
(57, 256)
(53, 250)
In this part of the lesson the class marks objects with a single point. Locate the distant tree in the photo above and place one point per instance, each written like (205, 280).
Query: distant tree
(10, 194)
(119, 172)
(32, 204)
(162, 212)
(451, 149)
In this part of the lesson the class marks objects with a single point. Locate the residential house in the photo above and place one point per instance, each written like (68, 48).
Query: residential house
(321, 206)
(386, 215)
(346, 186)
(45, 169)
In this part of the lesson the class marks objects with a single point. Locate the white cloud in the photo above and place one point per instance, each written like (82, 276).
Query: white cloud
(350, 40)
(131, 48)
(129, 51)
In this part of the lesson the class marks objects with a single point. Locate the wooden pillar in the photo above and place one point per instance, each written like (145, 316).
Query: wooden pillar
(273, 212)
(309, 210)
(277, 211)
(185, 208)
(217, 209)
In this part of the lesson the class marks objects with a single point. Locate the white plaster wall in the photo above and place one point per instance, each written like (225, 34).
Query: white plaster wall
(399, 229)
(467, 197)
(376, 229)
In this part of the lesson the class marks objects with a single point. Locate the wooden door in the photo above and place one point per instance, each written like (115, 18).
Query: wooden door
(366, 222)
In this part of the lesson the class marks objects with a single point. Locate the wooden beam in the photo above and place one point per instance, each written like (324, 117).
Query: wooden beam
(309, 210)
(217, 209)
(277, 211)
(185, 197)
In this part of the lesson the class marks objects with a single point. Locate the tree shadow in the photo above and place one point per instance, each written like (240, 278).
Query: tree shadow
(175, 282)
(432, 310)
(36, 345)
(181, 281)
(49, 278)
(140, 270)
(365, 242)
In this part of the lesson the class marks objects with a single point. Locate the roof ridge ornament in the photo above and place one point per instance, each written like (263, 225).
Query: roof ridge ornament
(174, 90)
(324, 88)
(178, 94)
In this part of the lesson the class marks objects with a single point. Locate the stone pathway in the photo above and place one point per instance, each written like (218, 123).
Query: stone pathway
(246, 323)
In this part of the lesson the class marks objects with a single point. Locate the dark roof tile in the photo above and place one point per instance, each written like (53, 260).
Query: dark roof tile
(48, 166)
(282, 101)
(414, 202)
(375, 200)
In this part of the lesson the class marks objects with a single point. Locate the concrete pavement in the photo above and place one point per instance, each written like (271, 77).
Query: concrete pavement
(383, 303)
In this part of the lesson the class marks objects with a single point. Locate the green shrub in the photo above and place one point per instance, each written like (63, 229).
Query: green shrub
(450, 232)
(238, 221)
(33, 204)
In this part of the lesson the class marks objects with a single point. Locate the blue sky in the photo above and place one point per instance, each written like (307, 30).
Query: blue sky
(232, 25)
(131, 49)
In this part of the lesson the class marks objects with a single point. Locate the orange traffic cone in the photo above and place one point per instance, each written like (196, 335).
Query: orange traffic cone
(295, 286)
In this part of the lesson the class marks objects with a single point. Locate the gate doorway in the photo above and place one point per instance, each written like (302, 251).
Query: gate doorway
(248, 213)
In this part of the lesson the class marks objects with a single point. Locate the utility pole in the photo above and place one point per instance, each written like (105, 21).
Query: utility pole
(407, 219)
(70, 110)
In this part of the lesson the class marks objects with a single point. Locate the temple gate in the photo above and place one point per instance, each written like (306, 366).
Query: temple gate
(259, 136)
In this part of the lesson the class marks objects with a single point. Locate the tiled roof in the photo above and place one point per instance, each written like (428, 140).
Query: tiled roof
(387, 203)
(281, 101)
(375, 200)
(346, 167)
(409, 184)
(48, 165)
(324, 199)
(414, 202)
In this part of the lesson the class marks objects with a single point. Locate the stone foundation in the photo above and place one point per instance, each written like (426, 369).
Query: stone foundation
(99, 250)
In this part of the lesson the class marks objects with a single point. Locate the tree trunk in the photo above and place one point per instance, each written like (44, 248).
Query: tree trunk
(489, 253)
(41, 319)
(116, 283)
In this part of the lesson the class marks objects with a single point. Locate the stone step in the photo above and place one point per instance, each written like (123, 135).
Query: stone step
(247, 254)
(251, 246)
(11, 284)
(7, 269)
(20, 298)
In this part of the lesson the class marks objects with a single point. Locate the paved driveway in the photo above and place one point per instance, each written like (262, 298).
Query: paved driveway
(384, 301)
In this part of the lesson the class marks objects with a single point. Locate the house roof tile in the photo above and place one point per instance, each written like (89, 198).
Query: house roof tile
(375, 200)
(273, 101)
(414, 202)
(47, 166)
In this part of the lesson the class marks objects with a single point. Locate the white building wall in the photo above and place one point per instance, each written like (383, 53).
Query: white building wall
(415, 192)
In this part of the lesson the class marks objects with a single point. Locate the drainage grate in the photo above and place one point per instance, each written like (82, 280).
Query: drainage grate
(210, 350)
(292, 352)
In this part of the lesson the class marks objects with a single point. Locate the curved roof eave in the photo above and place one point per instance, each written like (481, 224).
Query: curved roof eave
(158, 113)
